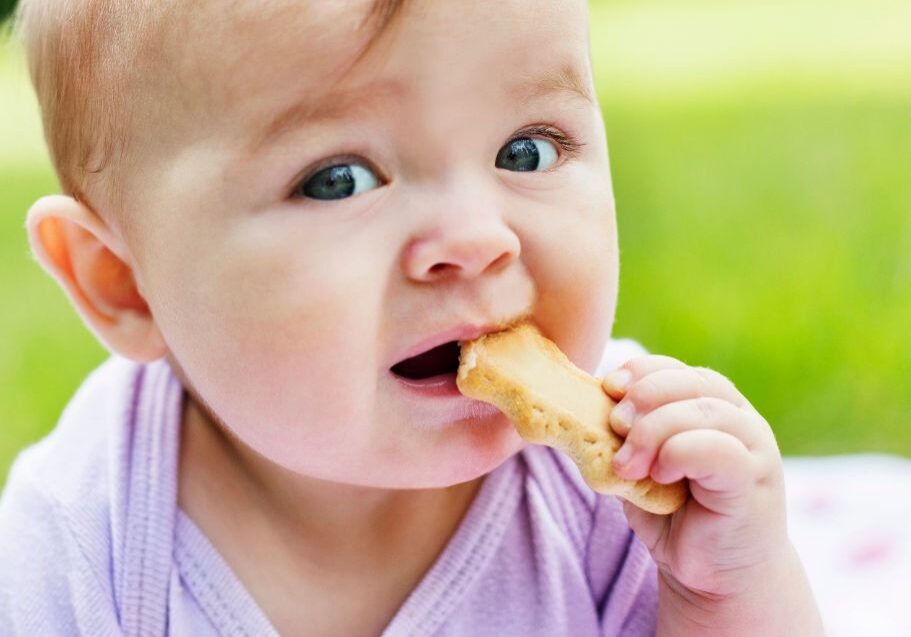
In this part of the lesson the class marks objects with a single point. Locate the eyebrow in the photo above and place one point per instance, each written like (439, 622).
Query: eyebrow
(333, 105)
(566, 80)
(343, 103)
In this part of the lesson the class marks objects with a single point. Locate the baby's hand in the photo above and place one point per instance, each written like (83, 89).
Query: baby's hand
(726, 564)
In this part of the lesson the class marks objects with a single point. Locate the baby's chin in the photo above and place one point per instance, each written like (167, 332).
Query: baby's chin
(462, 453)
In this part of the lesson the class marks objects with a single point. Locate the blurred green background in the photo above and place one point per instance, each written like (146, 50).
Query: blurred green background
(762, 163)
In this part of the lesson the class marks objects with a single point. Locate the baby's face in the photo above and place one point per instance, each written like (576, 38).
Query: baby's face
(318, 226)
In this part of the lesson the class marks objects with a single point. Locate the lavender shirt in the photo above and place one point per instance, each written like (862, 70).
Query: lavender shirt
(92, 541)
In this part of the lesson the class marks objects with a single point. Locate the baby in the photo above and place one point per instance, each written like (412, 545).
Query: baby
(281, 218)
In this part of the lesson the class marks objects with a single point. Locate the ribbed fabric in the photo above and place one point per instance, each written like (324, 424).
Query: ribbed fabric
(92, 541)
(206, 576)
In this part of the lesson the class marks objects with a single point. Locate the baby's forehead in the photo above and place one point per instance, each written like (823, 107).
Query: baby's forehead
(227, 54)
(318, 47)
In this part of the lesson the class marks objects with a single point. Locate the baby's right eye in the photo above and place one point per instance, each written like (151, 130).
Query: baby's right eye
(338, 182)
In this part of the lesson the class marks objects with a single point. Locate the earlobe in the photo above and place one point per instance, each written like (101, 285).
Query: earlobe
(91, 263)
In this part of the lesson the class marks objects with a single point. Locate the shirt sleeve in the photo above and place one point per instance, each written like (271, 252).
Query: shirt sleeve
(622, 574)
(47, 584)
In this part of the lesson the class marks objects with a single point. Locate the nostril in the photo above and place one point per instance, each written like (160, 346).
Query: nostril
(500, 262)
(443, 269)
(439, 268)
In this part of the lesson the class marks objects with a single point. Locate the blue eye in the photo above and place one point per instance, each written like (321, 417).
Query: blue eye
(338, 182)
(527, 154)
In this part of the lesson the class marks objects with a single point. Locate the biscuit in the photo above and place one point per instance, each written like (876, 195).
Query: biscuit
(552, 402)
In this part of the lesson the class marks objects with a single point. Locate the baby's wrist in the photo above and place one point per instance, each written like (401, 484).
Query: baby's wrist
(776, 599)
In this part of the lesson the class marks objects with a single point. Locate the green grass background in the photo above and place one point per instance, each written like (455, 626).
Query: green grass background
(762, 163)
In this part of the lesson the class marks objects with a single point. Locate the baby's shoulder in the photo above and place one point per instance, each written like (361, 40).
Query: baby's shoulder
(71, 465)
(56, 530)
(73, 483)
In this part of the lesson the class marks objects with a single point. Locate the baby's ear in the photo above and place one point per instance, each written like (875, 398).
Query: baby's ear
(91, 263)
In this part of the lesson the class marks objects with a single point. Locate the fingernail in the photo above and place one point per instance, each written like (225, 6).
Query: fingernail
(623, 456)
(624, 413)
(619, 378)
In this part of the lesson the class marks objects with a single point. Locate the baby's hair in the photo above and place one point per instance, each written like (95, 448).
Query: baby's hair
(86, 58)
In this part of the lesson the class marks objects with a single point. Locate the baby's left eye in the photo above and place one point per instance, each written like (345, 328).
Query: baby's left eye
(527, 154)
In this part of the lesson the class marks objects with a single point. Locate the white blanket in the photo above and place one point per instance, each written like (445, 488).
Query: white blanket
(850, 519)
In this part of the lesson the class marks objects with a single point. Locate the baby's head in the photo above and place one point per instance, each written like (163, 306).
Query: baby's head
(289, 199)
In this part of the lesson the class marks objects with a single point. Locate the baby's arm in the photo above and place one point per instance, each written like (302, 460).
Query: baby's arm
(726, 565)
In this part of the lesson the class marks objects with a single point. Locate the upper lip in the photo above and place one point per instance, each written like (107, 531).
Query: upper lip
(463, 332)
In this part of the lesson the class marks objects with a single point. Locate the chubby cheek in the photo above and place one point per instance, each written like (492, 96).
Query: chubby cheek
(303, 403)
(283, 349)
(575, 265)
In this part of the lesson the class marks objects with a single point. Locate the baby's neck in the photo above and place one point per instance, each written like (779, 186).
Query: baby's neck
(270, 525)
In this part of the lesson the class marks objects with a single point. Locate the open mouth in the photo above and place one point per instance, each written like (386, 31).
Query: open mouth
(437, 362)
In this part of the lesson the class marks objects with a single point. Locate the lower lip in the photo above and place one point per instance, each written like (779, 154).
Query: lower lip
(442, 390)
(436, 387)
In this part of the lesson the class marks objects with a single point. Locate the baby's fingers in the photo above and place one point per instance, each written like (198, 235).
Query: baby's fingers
(649, 432)
(617, 382)
(672, 385)
(719, 467)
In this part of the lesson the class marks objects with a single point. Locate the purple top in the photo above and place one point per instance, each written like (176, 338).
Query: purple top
(92, 541)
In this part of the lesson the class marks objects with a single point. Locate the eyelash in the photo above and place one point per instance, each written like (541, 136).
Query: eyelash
(570, 145)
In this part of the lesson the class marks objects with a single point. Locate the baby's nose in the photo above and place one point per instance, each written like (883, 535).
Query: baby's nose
(464, 248)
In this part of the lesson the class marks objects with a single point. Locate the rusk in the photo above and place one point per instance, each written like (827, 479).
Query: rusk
(552, 402)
